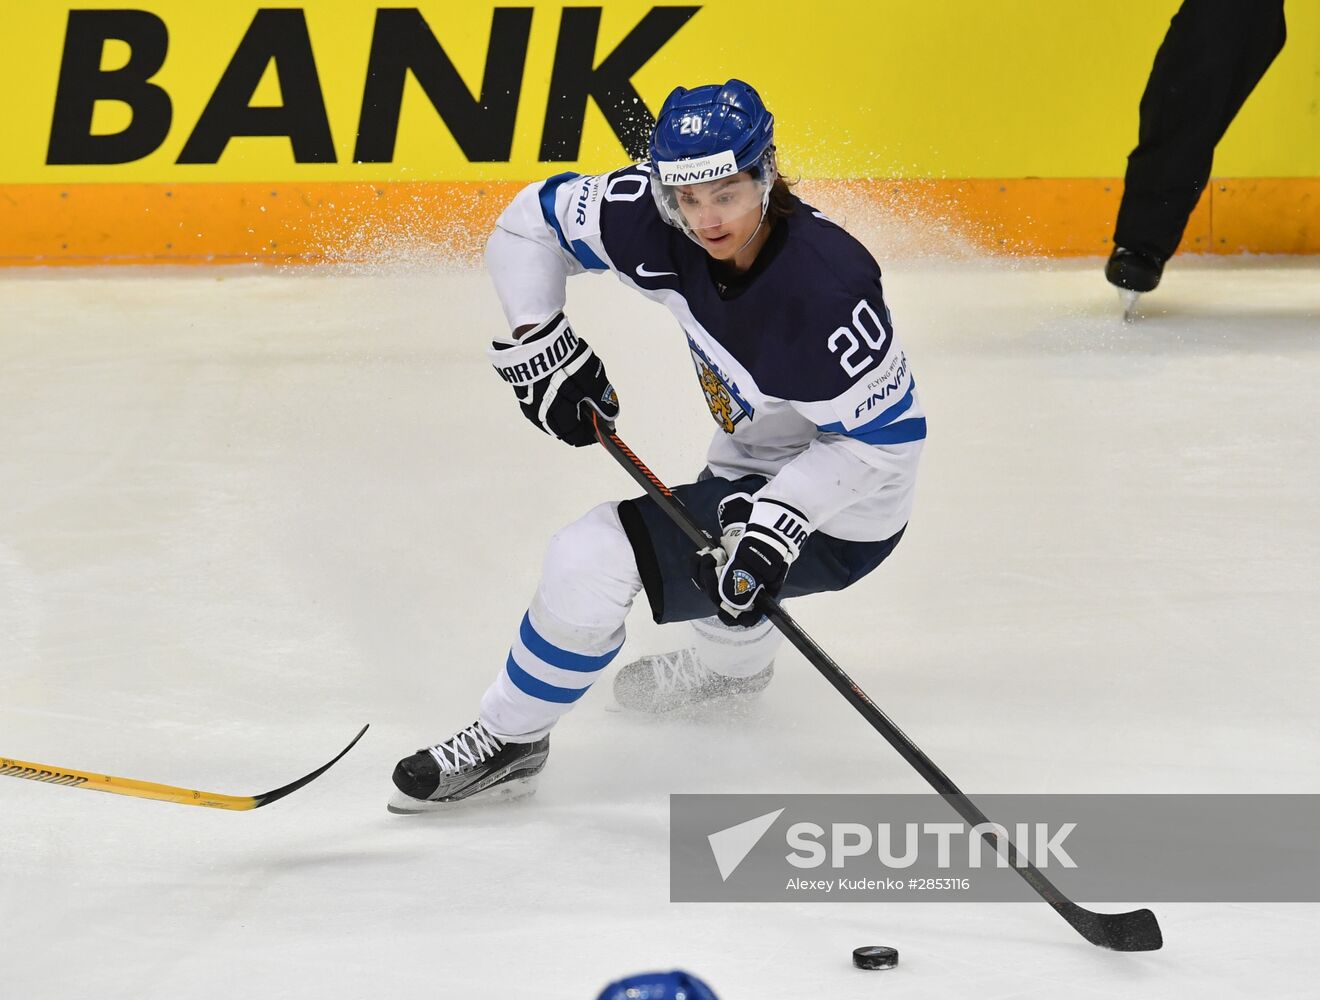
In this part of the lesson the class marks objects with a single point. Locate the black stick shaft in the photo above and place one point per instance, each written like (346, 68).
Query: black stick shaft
(1098, 928)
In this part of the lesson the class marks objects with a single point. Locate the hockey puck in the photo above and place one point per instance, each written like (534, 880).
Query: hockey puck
(875, 956)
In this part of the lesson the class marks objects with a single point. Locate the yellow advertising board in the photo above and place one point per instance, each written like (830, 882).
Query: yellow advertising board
(125, 118)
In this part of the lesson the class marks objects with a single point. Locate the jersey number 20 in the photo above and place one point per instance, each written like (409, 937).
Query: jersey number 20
(874, 333)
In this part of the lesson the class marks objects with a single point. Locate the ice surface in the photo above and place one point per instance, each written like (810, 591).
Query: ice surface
(243, 512)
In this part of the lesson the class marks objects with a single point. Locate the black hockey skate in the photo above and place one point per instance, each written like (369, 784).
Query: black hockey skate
(1133, 272)
(474, 764)
(670, 681)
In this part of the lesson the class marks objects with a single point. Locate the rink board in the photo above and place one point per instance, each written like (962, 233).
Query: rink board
(315, 223)
(253, 133)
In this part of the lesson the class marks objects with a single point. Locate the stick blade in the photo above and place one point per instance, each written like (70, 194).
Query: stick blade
(267, 798)
(1136, 930)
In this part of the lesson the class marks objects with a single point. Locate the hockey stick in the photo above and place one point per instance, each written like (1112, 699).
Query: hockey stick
(1137, 930)
(164, 793)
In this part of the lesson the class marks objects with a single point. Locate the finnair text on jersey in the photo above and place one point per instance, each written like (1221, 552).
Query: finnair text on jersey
(876, 398)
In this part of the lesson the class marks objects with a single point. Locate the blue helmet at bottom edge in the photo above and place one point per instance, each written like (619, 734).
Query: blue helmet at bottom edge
(676, 985)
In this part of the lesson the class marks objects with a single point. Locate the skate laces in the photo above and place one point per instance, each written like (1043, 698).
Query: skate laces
(468, 747)
(679, 670)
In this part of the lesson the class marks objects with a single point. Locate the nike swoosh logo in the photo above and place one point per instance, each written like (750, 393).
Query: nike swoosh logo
(642, 272)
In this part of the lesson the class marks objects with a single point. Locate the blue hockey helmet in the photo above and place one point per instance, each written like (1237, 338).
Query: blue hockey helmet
(706, 134)
(712, 119)
(676, 985)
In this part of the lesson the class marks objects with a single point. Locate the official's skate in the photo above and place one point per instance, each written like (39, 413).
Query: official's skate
(666, 682)
(1133, 273)
(473, 765)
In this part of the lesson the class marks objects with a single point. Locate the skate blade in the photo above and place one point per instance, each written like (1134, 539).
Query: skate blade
(698, 710)
(402, 804)
(1129, 300)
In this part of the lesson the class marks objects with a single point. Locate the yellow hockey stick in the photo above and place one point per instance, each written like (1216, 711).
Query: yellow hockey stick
(70, 778)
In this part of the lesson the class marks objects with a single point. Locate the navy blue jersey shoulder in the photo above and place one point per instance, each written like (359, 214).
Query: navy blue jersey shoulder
(780, 327)
(631, 227)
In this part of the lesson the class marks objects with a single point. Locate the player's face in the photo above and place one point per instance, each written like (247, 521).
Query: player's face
(724, 214)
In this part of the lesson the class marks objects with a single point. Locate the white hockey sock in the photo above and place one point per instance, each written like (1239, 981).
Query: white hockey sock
(572, 630)
(735, 652)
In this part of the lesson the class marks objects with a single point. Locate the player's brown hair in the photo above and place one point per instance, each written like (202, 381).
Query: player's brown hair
(782, 200)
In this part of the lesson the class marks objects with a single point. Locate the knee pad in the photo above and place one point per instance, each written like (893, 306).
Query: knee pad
(590, 574)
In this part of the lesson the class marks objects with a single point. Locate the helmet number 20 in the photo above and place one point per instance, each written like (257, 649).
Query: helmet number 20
(855, 356)
(689, 125)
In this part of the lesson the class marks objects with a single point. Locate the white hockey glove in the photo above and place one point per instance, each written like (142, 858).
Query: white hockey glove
(558, 380)
(762, 539)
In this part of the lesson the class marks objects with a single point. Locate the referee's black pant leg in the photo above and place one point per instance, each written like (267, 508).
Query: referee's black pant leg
(1213, 56)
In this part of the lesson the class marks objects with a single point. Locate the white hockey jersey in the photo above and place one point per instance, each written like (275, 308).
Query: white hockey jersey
(797, 359)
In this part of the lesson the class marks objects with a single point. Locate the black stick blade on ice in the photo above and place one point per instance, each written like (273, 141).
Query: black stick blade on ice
(267, 798)
(70, 778)
(1136, 930)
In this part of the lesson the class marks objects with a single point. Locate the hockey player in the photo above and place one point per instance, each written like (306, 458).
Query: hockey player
(809, 479)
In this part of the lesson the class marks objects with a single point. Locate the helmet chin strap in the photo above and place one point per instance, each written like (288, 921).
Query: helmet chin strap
(752, 237)
(765, 207)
